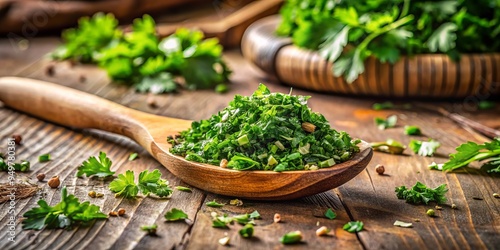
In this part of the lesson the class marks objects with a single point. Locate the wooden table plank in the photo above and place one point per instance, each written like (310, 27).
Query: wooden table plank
(368, 197)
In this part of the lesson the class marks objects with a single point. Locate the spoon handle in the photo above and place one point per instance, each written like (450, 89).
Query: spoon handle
(69, 107)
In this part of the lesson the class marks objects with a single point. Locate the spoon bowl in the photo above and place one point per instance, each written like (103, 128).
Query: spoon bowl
(73, 108)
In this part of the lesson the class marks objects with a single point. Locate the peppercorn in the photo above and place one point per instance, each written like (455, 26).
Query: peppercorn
(380, 169)
(121, 212)
(17, 139)
(40, 176)
(431, 212)
(54, 182)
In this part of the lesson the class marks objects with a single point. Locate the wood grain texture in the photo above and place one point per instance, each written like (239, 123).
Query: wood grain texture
(421, 76)
(368, 197)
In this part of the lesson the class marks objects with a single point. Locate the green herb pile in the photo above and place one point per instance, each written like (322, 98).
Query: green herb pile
(265, 131)
(346, 32)
(141, 59)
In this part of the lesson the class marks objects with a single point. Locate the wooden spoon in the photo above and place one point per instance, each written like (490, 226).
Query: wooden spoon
(73, 108)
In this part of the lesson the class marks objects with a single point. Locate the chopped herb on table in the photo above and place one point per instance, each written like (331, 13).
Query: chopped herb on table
(412, 130)
(484, 105)
(68, 213)
(44, 158)
(214, 204)
(420, 193)
(243, 219)
(98, 167)
(141, 59)
(469, 152)
(390, 146)
(149, 182)
(24, 166)
(247, 231)
(291, 237)
(424, 148)
(330, 214)
(175, 214)
(265, 131)
(382, 123)
(353, 226)
(133, 156)
(183, 189)
(382, 106)
(150, 229)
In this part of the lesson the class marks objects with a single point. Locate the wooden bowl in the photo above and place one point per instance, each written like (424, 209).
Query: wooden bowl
(426, 75)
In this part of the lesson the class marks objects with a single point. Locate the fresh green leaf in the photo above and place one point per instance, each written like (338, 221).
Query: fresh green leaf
(124, 185)
(291, 237)
(184, 189)
(150, 229)
(332, 48)
(443, 39)
(160, 83)
(382, 123)
(151, 182)
(353, 226)
(330, 214)
(214, 204)
(412, 130)
(24, 166)
(44, 158)
(98, 167)
(424, 148)
(175, 214)
(265, 131)
(420, 193)
(471, 151)
(255, 215)
(133, 156)
(247, 231)
(68, 213)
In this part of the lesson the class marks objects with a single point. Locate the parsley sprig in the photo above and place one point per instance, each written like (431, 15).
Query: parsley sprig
(68, 213)
(140, 58)
(420, 193)
(149, 182)
(471, 151)
(98, 167)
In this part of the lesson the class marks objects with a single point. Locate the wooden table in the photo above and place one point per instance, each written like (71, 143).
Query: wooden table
(369, 197)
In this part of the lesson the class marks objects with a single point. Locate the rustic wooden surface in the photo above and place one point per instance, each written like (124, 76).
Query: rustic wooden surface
(425, 76)
(369, 197)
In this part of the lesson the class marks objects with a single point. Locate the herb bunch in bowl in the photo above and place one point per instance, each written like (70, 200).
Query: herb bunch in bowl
(347, 32)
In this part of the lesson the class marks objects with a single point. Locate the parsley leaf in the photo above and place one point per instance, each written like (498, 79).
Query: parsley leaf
(420, 193)
(243, 219)
(151, 182)
(353, 226)
(471, 151)
(443, 39)
(412, 130)
(214, 204)
(124, 185)
(175, 214)
(24, 166)
(382, 123)
(424, 148)
(98, 167)
(330, 214)
(390, 146)
(68, 213)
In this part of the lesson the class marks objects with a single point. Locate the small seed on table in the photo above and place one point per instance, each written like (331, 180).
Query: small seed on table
(496, 195)
(121, 212)
(40, 176)
(380, 169)
(92, 194)
(277, 218)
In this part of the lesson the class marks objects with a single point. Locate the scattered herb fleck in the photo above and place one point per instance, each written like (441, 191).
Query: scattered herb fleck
(390, 146)
(150, 229)
(382, 123)
(68, 213)
(133, 156)
(44, 158)
(412, 130)
(236, 202)
(435, 166)
(24, 166)
(247, 231)
(420, 193)
(431, 212)
(484, 105)
(402, 224)
(175, 214)
(214, 204)
(265, 132)
(330, 214)
(383, 105)
(291, 237)
(98, 167)
(424, 148)
(184, 189)
(353, 226)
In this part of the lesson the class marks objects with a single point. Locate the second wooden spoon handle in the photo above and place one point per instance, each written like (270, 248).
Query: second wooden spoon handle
(68, 107)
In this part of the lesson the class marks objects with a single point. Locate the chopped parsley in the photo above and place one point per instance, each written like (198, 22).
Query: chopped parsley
(424, 148)
(214, 204)
(390, 146)
(44, 158)
(291, 237)
(175, 214)
(98, 167)
(330, 214)
(247, 231)
(382, 123)
(68, 213)
(420, 193)
(133, 156)
(183, 189)
(149, 182)
(265, 131)
(353, 226)
(24, 166)
(412, 130)
(243, 219)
